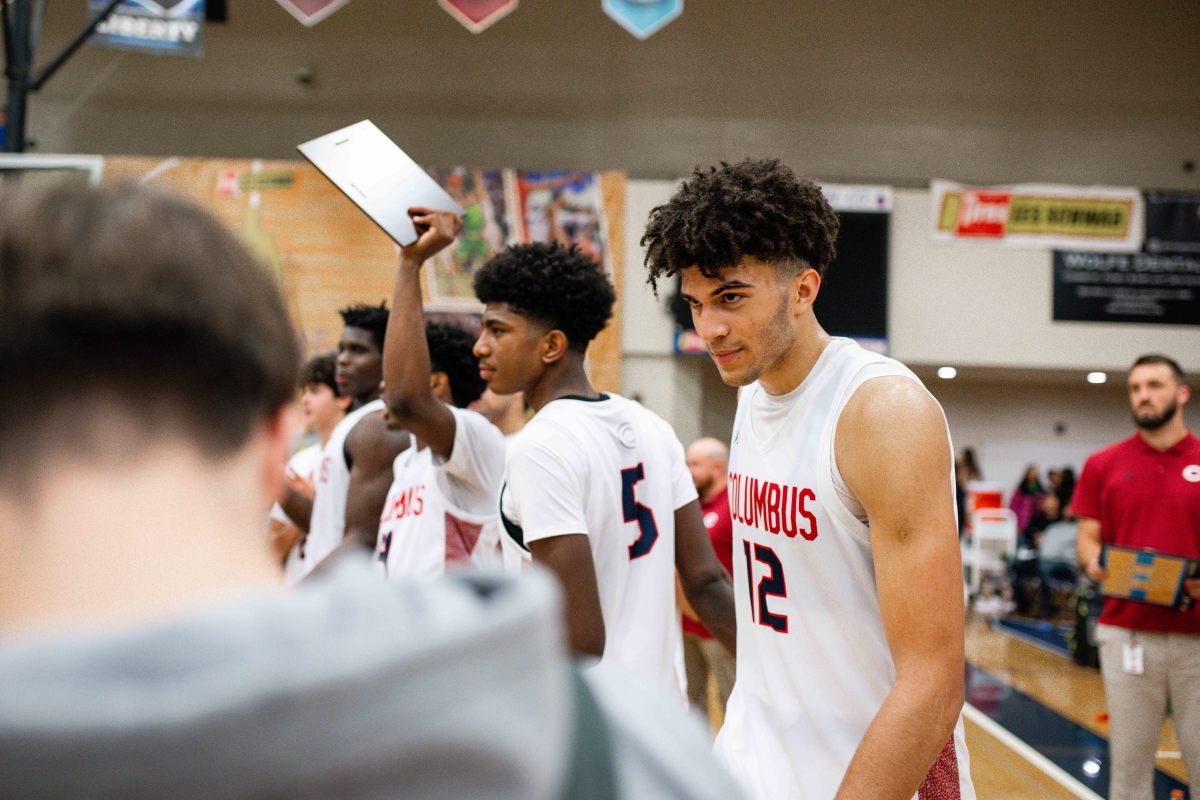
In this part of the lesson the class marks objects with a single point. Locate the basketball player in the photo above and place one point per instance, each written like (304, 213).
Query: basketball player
(322, 408)
(355, 472)
(441, 510)
(596, 487)
(846, 561)
(147, 370)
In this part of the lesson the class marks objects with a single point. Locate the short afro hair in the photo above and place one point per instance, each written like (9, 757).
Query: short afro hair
(320, 371)
(756, 207)
(373, 319)
(557, 286)
(450, 352)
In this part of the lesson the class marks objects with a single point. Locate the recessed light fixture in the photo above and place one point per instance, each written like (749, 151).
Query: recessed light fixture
(946, 373)
(1096, 377)
(1091, 767)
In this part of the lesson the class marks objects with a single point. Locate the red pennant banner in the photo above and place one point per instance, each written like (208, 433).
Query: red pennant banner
(478, 15)
(310, 12)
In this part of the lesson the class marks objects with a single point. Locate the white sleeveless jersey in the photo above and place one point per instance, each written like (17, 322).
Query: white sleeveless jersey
(304, 465)
(328, 520)
(615, 471)
(813, 664)
(440, 514)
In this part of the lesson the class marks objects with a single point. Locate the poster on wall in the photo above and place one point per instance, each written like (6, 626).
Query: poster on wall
(565, 207)
(1092, 218)
(1161, 289)
(491, 221)
(163, 27)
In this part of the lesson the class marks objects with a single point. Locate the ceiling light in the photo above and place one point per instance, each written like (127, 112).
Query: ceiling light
(1096, 377)
(946, 373)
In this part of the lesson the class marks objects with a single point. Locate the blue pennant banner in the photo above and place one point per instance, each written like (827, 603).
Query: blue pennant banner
(165, 27)
(643, 18)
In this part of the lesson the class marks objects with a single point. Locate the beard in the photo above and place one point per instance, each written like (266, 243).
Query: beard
(1152, 421)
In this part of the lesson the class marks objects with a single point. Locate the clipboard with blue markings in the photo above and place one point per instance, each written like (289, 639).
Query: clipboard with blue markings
(1147, 576)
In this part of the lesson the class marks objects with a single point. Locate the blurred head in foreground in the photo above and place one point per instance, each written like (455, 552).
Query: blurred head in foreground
(146, 365)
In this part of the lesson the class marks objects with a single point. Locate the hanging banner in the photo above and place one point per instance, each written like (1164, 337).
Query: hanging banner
(478, 15)
(164, 27)
(1034, 215)
(310, 12)
(1173, 222)
(1134, 287)
(643, 18)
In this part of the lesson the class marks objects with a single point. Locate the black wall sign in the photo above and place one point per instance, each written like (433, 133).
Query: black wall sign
(1127, 287)
(1173, 222)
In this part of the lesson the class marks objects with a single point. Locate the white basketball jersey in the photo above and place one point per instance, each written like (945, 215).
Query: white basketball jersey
(442, 514)
(612, 470)
(813, 664)
(304, 465)
(327, 523)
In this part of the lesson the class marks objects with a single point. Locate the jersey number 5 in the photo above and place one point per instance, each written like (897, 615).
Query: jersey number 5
(772, 584)
(636, 512)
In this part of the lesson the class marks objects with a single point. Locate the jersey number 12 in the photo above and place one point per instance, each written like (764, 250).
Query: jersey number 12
(771, 584)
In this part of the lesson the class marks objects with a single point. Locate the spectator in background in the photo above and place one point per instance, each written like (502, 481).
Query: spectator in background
(1026, 496)
(1066, 492)
(966, 469)
(708, 461)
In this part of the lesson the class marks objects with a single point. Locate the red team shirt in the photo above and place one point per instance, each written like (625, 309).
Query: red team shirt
(1145, 498)
(720, 530)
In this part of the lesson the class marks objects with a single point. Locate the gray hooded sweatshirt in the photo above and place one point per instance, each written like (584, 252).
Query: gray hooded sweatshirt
(347, 688)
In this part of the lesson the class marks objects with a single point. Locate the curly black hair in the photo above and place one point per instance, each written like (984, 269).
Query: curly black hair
(372, 319)
(557, 286)
(450, 352)
(756, 207)
(320, 370)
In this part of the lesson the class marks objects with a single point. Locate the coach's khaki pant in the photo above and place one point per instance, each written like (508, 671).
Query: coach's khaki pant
(1137, 705)
(702, 657)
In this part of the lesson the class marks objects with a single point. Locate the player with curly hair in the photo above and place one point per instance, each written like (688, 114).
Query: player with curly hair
(596, 487)
(441, 509)
(850, 606)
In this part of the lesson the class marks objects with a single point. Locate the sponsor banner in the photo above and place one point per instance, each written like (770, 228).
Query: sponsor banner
(1127, 287)
(643, 18)
(1173, 222)
(165, 27)
(478, 15)
(310, 12)
(1032, 215)
(867, 199)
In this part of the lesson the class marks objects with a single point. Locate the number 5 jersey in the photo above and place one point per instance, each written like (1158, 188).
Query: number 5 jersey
(612, 470)
(813, 663)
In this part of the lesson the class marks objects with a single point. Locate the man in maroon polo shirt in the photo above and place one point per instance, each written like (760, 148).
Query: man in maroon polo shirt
(1144, 492)
(708, 461)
